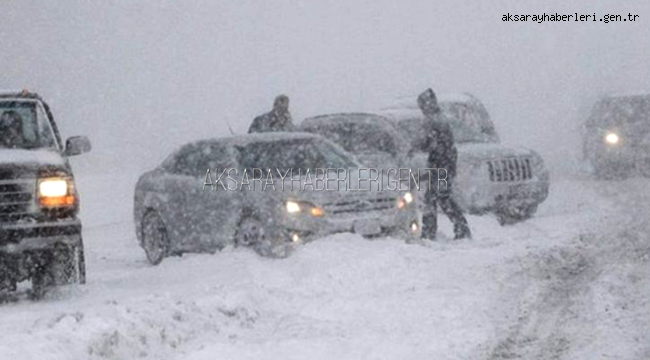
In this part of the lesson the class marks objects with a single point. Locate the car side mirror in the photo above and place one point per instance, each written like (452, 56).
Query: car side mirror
(77, 145)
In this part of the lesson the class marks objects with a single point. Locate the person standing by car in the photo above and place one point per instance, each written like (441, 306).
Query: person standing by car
(278, 119)
(437, 139)
(11, 128)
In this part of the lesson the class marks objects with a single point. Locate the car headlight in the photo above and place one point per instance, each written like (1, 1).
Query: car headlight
(612, 138)
(404, 200)
(296, 207)
(56, 192)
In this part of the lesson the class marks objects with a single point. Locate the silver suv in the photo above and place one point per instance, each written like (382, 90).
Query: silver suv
(490, 177)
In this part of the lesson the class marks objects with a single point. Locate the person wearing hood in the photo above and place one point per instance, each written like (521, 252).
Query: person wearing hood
(11, 129)
(278, 119)
(437, 139)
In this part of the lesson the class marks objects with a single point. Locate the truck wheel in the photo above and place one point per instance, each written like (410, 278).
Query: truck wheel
(62, 265)
(513, 215)
(154, 238)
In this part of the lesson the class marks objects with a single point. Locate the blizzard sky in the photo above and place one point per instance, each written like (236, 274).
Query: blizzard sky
(142, 77)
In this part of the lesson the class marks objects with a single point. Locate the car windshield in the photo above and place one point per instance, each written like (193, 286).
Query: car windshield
(359, 137)
(23, 125)
(468, 124)
(293, 154)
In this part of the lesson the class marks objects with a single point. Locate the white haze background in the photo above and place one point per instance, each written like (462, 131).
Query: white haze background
(142, 77)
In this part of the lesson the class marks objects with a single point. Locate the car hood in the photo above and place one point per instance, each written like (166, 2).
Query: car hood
(306, 192)
(30, 157)
(489, 151)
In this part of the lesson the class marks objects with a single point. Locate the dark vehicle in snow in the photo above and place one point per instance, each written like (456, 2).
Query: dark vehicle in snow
(490, 177)
(40, 234)
(175, 212)
(616, 137)
(371, 138)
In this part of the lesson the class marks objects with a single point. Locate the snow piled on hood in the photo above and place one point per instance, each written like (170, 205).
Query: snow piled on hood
(20, 156)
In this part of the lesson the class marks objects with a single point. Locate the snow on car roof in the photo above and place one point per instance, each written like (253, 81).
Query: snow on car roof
(364, 118)
(411, 101)
(243, 140)
(402, 114)
(9, 91)
(19, 94)
(627, 95)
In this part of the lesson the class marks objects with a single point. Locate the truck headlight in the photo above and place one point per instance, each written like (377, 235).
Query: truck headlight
(56, 192)
(296, 207)
(612, 138)
(404, 200)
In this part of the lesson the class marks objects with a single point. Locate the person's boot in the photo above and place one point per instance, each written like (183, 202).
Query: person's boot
(429, 227)
(462, 231)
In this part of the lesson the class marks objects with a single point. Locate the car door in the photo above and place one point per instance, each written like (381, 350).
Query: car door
(221, 200)
(195, 211)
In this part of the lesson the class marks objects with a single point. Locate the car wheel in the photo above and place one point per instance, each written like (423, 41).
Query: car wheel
(513, 215)
(251, 233)
(154, 238)
(60, 266)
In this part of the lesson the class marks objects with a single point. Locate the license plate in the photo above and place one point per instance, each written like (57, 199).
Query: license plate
(367, 227)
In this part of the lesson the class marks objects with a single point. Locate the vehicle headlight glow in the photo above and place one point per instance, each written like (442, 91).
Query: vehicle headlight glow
(404, 200)
(53, 187)
(293, 207)
(296, 207)
(55, 192)
(612, 138)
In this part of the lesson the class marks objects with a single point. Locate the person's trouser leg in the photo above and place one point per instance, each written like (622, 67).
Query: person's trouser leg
(455, 214)
(430, 216)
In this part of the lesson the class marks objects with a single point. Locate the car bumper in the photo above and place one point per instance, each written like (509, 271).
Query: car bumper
(493, 196)
(18, 238)
(404, 223)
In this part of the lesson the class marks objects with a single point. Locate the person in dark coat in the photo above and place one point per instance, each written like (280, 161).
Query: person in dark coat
(11, 128)
(437, 139)
(278, 119)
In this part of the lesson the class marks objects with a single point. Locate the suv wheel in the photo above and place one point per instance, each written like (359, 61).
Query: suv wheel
(154, 238)
(513, 215)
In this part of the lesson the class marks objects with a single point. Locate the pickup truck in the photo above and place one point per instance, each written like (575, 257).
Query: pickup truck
(40, 233)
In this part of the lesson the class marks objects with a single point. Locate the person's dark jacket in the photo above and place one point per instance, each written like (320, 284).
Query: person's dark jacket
(437, 140)
(271, 122)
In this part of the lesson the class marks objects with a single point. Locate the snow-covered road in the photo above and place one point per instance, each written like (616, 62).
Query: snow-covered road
(572, 283)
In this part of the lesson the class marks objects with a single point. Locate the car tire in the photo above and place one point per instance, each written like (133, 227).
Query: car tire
(61, 266)
(251, 233)
(155, 240)
(513, 215)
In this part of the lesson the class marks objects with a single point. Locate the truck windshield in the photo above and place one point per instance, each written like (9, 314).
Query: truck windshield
(23, 125)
